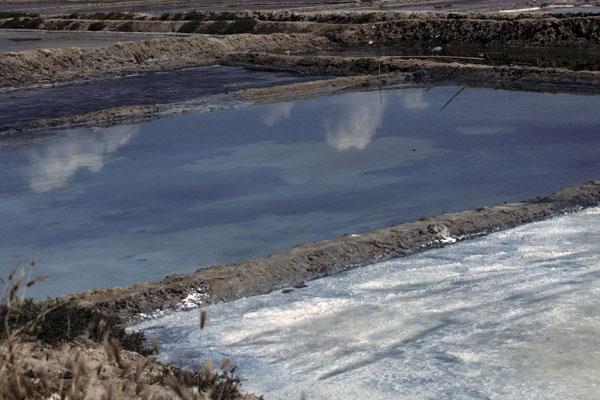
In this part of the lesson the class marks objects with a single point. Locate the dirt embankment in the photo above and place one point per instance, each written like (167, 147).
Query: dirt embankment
(349, 28)
(42, 66)
(311, 261)
(570, 42)
(62, 24)
(430, 70)
(482, 31)
(27, 132)
(352, 29)
(218, 27)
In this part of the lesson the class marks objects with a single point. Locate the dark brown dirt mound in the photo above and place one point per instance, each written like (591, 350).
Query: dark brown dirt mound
(548, 31)
(348, 28)
(433, 70)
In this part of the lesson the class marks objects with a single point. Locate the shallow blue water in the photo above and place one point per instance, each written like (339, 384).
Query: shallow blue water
(112, 206)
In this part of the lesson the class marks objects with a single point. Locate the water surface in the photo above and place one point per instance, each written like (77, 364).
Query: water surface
(162, 87)
(515, 315)
(112, 206)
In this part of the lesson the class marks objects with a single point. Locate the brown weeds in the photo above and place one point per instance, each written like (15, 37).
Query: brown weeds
(41, 358)
(202, 318)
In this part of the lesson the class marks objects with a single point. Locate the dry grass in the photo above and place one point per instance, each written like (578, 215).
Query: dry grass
(39, 360)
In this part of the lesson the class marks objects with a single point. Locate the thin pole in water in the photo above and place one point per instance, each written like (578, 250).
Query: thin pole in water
(452, 98)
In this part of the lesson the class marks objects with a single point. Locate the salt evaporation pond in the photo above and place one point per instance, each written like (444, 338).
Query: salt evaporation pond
(102, 207)
(514, 315)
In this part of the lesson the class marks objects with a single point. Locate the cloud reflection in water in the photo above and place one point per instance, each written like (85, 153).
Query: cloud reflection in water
(276, 113)
(52, 166)
(354, 117)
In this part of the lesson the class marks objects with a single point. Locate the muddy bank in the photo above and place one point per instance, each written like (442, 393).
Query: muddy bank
(134, 95)
(28, 131)
(34, 67)
(493, 48)
(509, 76)
(314, 260)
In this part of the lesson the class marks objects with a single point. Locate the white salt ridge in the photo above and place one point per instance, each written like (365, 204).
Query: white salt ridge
(193, 300)
(513, 315)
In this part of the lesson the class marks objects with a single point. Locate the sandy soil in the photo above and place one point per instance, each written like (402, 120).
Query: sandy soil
(32, 67)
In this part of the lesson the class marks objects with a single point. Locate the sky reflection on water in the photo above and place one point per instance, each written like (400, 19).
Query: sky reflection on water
(138, 202)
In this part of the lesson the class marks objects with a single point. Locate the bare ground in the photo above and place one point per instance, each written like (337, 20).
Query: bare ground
(34, 67)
